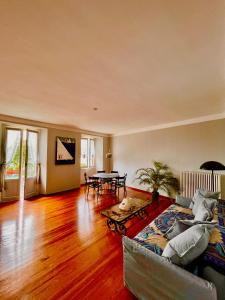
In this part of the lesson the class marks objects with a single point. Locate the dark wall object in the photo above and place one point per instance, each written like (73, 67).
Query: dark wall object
(65, 151)
(212, 166)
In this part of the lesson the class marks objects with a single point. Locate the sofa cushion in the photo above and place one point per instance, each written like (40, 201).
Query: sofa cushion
(188, 245)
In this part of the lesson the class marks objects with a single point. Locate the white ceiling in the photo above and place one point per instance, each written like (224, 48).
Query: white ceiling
(141, 62)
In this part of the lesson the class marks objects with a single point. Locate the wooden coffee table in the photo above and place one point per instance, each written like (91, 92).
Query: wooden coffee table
(116, 218)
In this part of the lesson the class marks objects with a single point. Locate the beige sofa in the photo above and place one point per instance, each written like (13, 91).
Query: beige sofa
(149, 276)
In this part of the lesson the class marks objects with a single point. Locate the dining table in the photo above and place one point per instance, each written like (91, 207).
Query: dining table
(106, 180)
(106, 175)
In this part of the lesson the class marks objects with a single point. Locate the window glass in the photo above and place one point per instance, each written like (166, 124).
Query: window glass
(84, 153)
(32, 155)
(92, 153)
(12, 154)
(87, 158)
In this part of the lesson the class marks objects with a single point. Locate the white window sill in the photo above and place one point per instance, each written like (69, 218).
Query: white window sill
(87, 168)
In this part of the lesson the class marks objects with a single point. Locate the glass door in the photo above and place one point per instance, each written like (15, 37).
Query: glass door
(11, 168)
(31, 165)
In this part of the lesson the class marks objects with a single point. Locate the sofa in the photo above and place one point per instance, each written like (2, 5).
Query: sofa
(151, 276)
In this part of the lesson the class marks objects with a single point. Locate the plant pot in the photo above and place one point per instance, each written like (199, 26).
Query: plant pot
(155, 196)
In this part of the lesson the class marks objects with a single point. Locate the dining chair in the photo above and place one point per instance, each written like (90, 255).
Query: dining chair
(114, 178)
(119, 183)
(101, 171)
(92, 183)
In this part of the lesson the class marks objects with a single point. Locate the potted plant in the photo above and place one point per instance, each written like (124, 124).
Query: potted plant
(160, 177)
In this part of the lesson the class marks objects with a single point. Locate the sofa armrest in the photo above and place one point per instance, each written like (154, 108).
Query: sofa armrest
(183, 201)
(150, 276)
(217, 278)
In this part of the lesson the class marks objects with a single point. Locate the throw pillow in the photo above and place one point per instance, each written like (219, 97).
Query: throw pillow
(205, 194)
(188, 245)
(209, 194)
(203, 213)
(178, 227)
(209, 202)
(183, 201)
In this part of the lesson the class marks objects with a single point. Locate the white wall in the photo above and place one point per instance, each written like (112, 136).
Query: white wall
(182, 148)
(99, 153)
(88, 171)
(43, 156)
(106, 148)
(62, 177)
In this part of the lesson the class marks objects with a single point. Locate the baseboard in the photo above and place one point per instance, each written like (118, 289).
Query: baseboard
(139, 190)
(149, 193)
(58, 192)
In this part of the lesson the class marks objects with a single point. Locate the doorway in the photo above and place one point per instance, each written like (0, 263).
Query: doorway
(20, 172)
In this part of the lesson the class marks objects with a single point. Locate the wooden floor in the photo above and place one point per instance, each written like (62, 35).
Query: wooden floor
(59, 247)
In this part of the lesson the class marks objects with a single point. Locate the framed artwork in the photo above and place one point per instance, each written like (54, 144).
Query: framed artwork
(65, 151)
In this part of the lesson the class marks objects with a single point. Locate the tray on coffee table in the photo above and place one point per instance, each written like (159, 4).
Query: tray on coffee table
(116, 217)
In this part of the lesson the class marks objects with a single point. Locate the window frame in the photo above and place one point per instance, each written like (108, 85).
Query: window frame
(89, 165)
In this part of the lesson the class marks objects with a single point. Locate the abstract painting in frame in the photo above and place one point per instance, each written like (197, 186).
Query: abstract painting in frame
(65, 151)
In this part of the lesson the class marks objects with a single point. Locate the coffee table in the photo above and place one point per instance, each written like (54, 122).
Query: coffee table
(116, 218)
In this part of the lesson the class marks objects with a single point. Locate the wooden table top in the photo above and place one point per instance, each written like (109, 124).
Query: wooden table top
(115, 213)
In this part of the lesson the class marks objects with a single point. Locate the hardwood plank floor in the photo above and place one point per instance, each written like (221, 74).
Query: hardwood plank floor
(59, 247)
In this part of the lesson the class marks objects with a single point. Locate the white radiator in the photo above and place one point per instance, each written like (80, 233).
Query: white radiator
(190, 181)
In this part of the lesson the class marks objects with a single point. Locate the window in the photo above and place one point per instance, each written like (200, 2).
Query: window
(32, 154)
(92, 153)
(87, 153)
(13, 149)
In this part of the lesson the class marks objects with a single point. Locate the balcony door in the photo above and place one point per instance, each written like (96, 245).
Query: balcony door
(11, 168)
(19, 172)
(31, 165)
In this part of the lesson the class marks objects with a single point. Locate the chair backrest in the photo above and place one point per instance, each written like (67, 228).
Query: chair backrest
(93, 178)
(85, 177)
(125, 178)
(122, 179)
(115, 172)
(101, 171)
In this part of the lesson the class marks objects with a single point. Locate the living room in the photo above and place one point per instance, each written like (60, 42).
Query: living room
(90, 93)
